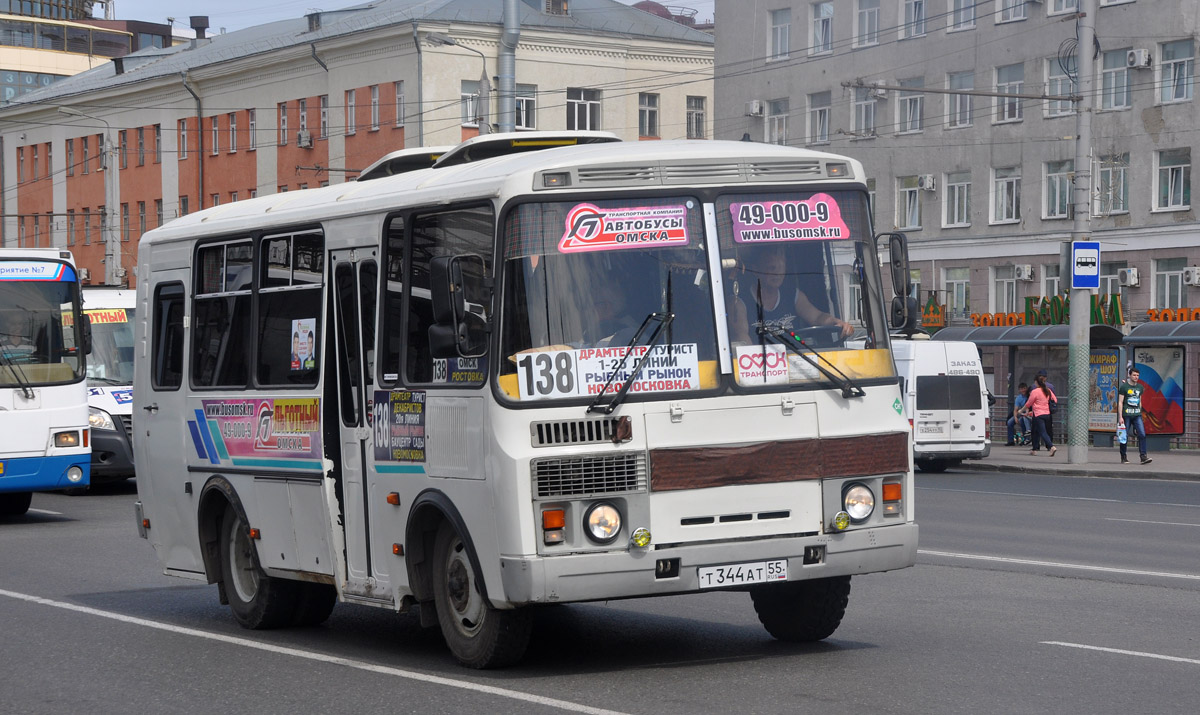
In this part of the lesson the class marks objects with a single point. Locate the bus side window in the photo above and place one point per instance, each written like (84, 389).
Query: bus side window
(289, 309)
(221, 315)
(447, 233)
(392, 301)
(168, 337)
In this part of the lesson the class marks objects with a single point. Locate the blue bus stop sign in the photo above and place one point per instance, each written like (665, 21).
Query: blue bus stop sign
(1085, 264)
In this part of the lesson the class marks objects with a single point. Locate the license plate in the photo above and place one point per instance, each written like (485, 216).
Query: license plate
(741, 574)
(934, 428)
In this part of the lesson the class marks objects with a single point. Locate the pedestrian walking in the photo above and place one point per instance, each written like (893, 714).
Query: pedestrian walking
(1129, 415)
(1053, 404)
(1038, 406)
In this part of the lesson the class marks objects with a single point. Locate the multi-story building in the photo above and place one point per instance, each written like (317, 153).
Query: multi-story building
(981, 184)
(304, 102)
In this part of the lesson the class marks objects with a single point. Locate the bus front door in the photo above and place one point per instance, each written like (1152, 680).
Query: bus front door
(355, 281)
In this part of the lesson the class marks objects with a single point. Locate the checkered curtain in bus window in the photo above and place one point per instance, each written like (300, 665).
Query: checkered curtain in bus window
(209, 274)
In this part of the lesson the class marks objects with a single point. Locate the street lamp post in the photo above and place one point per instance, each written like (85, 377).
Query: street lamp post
(112, 240)
(485, 87)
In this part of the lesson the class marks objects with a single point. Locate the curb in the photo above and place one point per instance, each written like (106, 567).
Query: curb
(1076, 471)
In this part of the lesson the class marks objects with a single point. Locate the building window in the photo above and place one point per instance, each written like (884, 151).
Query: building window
(871, 199)
(583, 108)
(323, 103)
(1011, 10)
(1061, 6)
(87, 227)
(1114, 77)
(781, 30)
(141, 139)
(1051, 281)
(958, 293)
(123, 159)
(911, 106)
(962, 14)
(959, 106)
(777, 121)
(70, 157)
(374, 107)
(251, 129)
(216, 200)
(1111, 191)
(216, 136)
(157, 143)
(183, 206)
(283, 129)
(914, 19)
(469, 99)
(102, 156)
(957, 197)
(818, 117)
(125, 222)
(1058, 189)
(1006, 195)
(70, 227)
(822, 28)
(1110, 278)
(908, 203)
(233, 197)
(866, 23)
(183, 144)
(864, 112)
(158, 212)
(141, 218)
(85, 165)
(647, 114)
(399, 92)
(1010, 79)
(526, 106)
(696, 117)
(1174, 178)
(1004, 289)
(351, 118)
(1168, 283)
(1176, 70)
(233, 142)
(853, 307)
(302, 109)
(1059, 83)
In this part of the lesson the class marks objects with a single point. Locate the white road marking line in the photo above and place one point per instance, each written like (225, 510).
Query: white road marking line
(1061, 565)
(1119, 651)
(1055, 496)
(320, 657)
(1162, 523)
(46, 511)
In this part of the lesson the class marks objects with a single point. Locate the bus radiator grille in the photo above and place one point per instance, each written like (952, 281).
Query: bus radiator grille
(563, 432)
(589, 474)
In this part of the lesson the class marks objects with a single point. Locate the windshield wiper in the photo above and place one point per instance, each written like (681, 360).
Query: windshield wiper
(18, 375)
(664, 321)
(789, 340)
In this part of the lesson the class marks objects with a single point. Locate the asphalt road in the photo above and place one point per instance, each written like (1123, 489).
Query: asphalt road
(1032, 594)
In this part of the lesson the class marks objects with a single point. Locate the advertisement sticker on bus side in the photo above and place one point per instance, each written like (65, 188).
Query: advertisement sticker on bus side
(591, 228)
(816, 218)
(398, 425)
(586, 371)
(259, 432)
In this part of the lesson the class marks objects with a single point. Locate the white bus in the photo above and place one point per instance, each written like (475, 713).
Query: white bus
(110, 381)
(568, 375)
(44, 439)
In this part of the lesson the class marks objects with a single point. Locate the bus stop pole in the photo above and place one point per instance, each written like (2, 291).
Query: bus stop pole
(1079, 343)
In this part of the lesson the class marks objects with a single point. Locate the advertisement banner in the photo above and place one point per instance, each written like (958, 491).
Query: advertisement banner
(818, 218)
(1162, 373)
(398, 425)
(1102, 384)
(259, 432)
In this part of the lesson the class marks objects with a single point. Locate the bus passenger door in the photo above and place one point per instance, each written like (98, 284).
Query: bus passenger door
(355, 281)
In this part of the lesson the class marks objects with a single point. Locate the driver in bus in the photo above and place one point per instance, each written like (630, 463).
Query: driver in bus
(13, 341)
(767, 275)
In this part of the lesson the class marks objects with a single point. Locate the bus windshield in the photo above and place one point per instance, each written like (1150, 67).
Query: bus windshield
(801, 276)
(38, 341)
(111, 359)
(582, 278)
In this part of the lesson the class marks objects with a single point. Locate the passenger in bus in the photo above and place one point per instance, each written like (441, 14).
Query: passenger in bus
(767, 275)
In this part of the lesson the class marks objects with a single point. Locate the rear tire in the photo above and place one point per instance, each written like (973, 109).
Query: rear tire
(258, 601)
(478, 635)
(15, 503)
(932, 465)
(802, 611)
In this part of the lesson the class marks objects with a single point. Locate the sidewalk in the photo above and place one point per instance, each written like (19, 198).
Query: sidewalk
(1102, 462)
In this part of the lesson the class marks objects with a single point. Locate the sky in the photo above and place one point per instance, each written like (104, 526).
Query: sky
(236, 14)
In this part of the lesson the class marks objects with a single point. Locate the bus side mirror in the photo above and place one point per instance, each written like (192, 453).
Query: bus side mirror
(905, 314)
(86, 325)
(904, 310)
(460, 294)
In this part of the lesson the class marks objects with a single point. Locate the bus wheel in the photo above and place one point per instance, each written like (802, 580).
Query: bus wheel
(802, 611)
(15, 503)
(257, 600)
(314, 603)
(478, 635)
(932, 465)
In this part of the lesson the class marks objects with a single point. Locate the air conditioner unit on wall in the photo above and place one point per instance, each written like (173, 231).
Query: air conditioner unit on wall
(879, 94)
(1191, 276)
(927, 182)
(1138, 59)
(1023, 272)
(304, 139)
(755, 108)
(1128, 277)
(85, 274)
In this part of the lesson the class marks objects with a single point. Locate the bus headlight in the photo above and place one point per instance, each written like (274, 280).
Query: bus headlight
(66, 439)
(858, 501)
(99, 419)
(602, 522)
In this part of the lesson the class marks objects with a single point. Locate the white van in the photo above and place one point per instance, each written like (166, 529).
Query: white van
(946, 400)
(110, 381)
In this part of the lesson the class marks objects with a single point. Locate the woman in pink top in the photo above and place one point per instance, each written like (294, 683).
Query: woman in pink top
(1038, 405)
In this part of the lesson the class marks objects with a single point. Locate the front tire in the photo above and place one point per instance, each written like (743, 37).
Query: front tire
(478, 635)
(802, 611)
(258, 601)
(15, 503)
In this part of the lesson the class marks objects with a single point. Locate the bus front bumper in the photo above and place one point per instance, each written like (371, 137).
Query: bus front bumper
(631, 573)
(40, 474)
